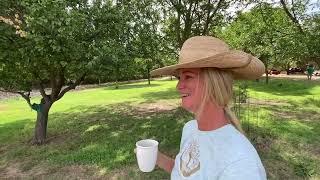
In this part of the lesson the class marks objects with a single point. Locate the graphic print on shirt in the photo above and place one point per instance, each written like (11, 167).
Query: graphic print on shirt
(189, 159)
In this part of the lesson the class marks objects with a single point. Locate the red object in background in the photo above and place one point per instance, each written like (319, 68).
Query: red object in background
(273, 71)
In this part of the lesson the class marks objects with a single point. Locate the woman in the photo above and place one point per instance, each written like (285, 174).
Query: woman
(213, 146)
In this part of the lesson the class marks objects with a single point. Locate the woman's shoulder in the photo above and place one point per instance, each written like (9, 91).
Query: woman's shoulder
(189, 128)
(234, 145)
(232, 137)
(192, 124)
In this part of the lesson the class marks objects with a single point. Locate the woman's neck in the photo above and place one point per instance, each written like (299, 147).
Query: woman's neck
(212, 117)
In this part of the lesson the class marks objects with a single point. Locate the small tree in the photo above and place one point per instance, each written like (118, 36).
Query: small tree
(47, 46)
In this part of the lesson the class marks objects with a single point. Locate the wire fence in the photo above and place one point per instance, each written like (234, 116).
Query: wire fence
(249, 110)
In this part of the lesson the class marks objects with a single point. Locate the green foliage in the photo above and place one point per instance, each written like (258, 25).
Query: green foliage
(265, 32)
(56, 41)
(109, 41)
(184, 19)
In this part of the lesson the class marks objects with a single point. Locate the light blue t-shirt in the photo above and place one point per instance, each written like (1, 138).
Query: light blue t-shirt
(221, 154)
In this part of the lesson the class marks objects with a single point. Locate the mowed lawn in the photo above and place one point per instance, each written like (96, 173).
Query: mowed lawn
(92, 133)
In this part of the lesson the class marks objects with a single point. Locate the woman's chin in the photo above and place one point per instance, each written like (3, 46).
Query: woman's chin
(187, 107)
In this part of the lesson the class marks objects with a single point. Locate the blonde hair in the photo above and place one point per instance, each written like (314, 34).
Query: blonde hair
(218, 88)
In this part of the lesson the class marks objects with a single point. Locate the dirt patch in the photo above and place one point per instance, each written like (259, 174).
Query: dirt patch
(77, 172)
(263, 144)
(278, 169)
(45, 171)
(306, 116)
(59, 139)
(267, 102)
(3, 107)
(150, 109)
(157, 107)
(16, 170)
(144, 109)
(11, 171)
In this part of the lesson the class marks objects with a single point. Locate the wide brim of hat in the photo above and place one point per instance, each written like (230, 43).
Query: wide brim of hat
(241, 64)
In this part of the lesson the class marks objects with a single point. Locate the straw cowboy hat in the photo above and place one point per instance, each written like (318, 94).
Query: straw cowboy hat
(207, 51)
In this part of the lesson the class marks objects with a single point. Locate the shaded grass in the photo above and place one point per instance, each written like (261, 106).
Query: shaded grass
(287, 138)
(104, 136)
(284, 89)
(96, 130)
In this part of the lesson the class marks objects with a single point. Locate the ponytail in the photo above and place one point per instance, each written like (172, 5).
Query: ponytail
(218, 89)
(233, 119)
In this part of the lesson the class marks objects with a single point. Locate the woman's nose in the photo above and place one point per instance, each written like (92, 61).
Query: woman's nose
(180, 85)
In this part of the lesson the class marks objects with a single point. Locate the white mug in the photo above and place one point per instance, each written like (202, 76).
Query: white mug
(147, 153)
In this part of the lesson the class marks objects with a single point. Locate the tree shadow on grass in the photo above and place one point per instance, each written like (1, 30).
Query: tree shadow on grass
(13, 130)
(100, 135)
(274, 152)
(283, 87)
(286, 136)
(311, 101)
(105, 136)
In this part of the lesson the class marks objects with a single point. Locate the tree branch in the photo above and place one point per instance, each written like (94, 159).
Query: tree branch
(188, 23)
(177, 7)
(57, 82)
(72, 86)
(41, 88)
(210, 17)
(25, 96)
(292, 18)
(194, 8)
(293, 11)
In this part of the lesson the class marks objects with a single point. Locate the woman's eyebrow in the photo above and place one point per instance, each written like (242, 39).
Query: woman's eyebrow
(188, 72)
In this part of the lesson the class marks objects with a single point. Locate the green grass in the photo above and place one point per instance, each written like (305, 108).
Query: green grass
(92, 133)
(283, 89)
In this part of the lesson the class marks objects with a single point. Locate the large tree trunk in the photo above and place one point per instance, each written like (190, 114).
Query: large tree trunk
(41, 123)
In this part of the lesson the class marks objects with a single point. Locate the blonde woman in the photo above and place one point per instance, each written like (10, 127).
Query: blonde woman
(213, 146)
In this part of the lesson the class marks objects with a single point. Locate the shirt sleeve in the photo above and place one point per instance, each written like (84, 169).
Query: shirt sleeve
(244, 169)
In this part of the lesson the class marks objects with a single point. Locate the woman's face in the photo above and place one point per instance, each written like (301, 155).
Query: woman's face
(190, 87)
